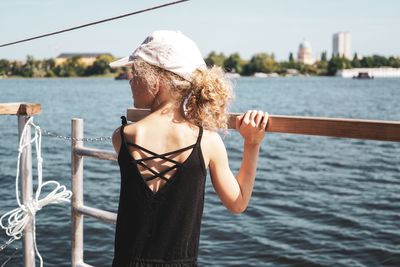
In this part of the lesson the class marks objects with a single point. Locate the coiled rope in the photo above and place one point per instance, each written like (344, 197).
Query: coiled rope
(18, 218)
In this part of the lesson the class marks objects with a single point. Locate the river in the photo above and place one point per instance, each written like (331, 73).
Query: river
(317, 201)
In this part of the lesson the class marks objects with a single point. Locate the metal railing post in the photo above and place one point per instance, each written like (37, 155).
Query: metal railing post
(77, 194)
(27, 191)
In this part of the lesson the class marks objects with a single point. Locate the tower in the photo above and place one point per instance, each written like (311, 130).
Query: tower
(341, 44)
(304, 55)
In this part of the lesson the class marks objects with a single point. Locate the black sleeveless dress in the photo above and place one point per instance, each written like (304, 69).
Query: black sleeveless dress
(159, 229)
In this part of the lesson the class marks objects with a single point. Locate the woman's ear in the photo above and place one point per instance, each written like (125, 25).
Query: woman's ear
(157, 89)
(154, 89)
(162, 85)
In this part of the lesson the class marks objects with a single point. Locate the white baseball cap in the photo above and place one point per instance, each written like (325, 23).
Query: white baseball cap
(169, 50)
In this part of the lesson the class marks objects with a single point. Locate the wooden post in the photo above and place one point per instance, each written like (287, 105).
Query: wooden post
(24, 111)
(27, 191)
(77, 194)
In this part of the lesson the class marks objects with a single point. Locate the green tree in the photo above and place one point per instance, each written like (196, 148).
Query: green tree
(32, 68)
(48, 66)
(261, 62)
(215, 59)
(355, 63)
(367, 62)
(15, 68)
(337, 63)
(291, 58)
(394, 62)
(286, 65)
(100, 66)
(380, 61)
(70, 68)
(234, 63)
(4, 67)
(310, 69)
(324, 57)
(29, 68)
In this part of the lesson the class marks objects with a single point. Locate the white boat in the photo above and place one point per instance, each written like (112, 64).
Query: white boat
(260, 75)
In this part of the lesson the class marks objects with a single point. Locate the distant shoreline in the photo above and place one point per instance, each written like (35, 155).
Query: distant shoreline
(260, 65)
(106, 77)
(45, 78)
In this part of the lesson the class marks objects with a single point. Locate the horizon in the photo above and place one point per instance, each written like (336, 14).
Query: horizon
(248, 29)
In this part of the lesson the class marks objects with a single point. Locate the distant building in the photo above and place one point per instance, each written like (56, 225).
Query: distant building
(304, 55)
(86, 59)
(341, 44)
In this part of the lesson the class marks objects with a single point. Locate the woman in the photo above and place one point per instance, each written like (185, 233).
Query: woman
(164, 157)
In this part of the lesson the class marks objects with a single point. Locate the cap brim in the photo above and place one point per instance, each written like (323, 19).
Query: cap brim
(123, 62)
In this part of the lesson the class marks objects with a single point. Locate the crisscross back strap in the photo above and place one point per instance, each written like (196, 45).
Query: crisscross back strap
(163, 155)
(199, 136)
(157, 174)
(123, 123)
(154, 155)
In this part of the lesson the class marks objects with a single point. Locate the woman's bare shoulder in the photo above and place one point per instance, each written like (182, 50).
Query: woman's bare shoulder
(129, 131)
(211, 145)
(116, 139)
(211, 137)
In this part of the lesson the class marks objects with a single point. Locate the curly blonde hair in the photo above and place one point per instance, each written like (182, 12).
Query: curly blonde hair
(204, 100)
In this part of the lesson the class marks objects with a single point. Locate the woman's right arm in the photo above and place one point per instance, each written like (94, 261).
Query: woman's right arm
(235, 192)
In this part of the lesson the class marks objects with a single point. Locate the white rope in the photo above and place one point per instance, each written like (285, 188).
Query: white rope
(19, 217)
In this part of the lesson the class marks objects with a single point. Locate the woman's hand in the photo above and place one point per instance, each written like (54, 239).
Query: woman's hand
(252, 126)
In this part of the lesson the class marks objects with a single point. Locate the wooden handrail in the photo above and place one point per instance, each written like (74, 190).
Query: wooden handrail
(332, 127)
(102, 215)
(95, 153)
(28, 109)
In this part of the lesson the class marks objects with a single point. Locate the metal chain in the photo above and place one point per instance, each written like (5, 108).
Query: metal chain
(69, 138)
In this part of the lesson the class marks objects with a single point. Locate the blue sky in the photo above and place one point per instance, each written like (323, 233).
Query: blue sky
(228, 26)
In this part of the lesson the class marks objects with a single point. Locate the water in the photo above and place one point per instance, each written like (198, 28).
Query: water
(317, 201)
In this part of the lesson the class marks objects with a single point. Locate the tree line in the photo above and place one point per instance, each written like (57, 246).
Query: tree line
(72, 67)
(261, 62)
(266, 63)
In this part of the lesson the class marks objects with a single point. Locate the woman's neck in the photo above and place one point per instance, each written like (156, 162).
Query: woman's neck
(168, 109)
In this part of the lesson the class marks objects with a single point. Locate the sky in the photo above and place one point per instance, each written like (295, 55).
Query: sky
(228, 26)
